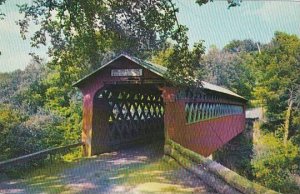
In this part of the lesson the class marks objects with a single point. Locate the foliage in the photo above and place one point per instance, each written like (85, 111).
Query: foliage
(202, 2)
(184, 64)
(237, 154)
(161, 57)
(237, 46)
(22, 135)
(23, 89)
(277, 71)
(92, 28)
(273, 163)
(231, 3)
(29, 123)
(9, 119)
(229, 69)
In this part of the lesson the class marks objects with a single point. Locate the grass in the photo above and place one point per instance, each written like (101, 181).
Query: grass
(44, 178)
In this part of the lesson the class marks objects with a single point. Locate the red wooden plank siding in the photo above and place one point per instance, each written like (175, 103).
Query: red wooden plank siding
(203, 137)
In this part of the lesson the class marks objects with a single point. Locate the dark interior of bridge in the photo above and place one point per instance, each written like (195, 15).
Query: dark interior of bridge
(129, 115)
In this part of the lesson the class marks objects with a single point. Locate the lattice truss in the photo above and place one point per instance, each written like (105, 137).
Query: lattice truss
(199, 111)
(135, 112)
(201, 105)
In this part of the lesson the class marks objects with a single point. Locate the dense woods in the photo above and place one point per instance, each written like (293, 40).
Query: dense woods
(39, 108)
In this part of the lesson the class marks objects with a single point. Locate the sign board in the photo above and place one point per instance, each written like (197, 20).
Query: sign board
(126, 72)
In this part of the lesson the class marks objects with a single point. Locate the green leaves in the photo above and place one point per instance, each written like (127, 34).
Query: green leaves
(277, 72)
(184, 64)
(273, 163)
(229, 68)
(231, 3)
(88, 27)
(202, 2)
(234, 3)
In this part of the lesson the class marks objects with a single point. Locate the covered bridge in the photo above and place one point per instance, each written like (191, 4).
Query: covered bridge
(128, 101)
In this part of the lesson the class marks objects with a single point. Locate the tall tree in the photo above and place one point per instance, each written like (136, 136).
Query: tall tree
(229, 69)
(238, 46)
(184, 64)
(92, 28)
(277, 73)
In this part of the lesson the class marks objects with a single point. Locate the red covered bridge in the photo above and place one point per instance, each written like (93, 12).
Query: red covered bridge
(128, 101)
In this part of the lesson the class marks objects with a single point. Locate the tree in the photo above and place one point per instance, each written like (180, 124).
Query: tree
(9, 119)
(231, 3)
(277, 73)
(237, 46)
(161, 57)
(273, 163)
(23, 89)
(229, 69)
(92, 28)
(184, 67)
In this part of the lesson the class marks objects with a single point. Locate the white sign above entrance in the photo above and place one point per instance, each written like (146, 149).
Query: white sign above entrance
(126, 72)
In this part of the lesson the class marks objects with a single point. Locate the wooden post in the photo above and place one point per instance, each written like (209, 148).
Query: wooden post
(87, 123)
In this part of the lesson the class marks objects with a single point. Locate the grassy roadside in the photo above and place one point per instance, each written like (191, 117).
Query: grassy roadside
(44, 178)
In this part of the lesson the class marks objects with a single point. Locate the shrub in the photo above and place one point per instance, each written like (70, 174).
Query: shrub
(273, 163)
(9, 119)
(19, 137)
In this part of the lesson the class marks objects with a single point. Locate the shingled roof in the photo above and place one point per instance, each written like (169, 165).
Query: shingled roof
(159, 70)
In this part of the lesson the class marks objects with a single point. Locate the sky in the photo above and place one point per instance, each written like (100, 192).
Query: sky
(213, 23)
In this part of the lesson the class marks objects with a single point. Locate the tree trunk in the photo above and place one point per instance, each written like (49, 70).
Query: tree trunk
(287, 122)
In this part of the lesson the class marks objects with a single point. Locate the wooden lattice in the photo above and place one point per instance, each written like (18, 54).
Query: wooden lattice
(199, 111)
(202, 95)
(136, 112)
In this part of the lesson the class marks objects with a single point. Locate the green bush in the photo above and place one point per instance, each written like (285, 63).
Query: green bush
(273, 163)
(9, 119)
(21, 135)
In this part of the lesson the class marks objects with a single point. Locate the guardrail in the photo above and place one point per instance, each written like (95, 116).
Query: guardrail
(38, 155)
(195, 162)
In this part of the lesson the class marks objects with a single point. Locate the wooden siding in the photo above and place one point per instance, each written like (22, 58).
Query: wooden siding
(204, 136)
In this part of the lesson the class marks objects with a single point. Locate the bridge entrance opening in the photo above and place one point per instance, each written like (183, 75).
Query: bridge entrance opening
(128, 114)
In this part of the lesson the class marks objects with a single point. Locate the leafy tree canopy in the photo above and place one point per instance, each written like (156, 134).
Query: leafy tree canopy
(229, 69)
(242, 46)
(277, 71)
(92, 28)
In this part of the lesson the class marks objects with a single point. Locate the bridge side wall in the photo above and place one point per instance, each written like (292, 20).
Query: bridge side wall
(203, 136)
